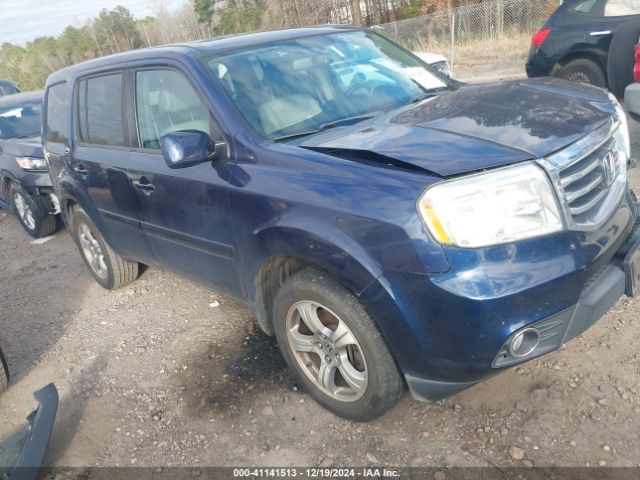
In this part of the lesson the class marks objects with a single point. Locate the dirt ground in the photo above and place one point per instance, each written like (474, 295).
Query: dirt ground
(156, 375)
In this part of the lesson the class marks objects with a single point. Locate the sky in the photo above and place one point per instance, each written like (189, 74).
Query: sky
(24, 20)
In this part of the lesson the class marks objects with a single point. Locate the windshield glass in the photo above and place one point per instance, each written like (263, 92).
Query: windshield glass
(22, 120)
(307, 84)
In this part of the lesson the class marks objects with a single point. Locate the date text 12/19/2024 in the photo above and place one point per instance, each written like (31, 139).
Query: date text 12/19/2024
(313, 473)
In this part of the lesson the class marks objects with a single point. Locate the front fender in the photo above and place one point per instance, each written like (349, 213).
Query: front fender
(319, 244)
(70, 191)
(6, 174)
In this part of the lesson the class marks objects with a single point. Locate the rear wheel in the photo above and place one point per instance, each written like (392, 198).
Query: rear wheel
(334, 348)
(583, 70)
(31, 217)
(108, 268)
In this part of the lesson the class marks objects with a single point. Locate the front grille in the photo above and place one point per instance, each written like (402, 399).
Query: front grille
(585, 183)
(590, 177)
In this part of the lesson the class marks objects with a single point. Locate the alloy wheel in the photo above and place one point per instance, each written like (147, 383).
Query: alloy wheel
(92, 251)
(327, 351)
(580, 77)
(24, 211)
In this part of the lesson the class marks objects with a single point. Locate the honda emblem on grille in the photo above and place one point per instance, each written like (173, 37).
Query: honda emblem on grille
(609, 168)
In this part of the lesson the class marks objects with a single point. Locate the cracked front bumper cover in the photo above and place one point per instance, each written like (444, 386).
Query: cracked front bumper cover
(21, 455)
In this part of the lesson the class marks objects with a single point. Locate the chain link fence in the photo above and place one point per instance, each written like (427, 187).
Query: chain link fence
(485, 32)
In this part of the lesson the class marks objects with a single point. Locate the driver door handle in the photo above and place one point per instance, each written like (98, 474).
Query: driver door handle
(79, 168)
(144, 185)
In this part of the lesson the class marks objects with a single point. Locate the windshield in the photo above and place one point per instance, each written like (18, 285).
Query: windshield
(22, 120)
(308, 84)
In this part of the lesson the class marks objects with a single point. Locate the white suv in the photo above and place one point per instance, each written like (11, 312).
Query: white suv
(437, 61)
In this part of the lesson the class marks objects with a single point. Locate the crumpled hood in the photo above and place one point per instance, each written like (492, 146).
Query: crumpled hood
(476, 127)
(24, 147)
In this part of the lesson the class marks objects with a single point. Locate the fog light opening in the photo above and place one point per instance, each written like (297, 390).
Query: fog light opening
(524, 342)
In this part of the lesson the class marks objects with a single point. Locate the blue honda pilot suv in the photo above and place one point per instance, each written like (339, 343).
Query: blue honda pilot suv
(388, 225)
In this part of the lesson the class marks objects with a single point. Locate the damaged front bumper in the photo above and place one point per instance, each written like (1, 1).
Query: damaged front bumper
(21, 455)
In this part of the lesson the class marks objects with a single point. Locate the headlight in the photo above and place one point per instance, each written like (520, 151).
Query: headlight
(28, 163)
(492, 208)
(621, 148)
(623, 130)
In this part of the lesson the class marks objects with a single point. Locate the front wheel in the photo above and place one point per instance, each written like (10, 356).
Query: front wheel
(108, 268)
(334, 348)
(35, 223)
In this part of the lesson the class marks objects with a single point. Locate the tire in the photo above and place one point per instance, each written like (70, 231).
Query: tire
(366, 360)
(622, 57)
(4, 373)
(108, 268)
(31, 218)
(583, 70)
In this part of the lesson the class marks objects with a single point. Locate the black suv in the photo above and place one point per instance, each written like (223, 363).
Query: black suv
(25, 186)
(7, 87)
(575, 41)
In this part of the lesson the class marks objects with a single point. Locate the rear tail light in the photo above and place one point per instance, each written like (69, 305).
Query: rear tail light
(636, 68)
(540, 36)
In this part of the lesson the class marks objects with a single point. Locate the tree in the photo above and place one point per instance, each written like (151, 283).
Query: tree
(11, 57)
(76, 44)
(116, 30)
(356, 12)
(240, 16)
(144, 26)
(204, 9)
(41, 59)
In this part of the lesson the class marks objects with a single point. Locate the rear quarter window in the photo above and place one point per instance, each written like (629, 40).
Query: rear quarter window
(584, 6)
(57, 128)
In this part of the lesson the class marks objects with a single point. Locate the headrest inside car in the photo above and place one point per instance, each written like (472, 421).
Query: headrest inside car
(170, 102)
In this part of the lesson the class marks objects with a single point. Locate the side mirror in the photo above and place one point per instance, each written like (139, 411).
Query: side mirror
(187, 147)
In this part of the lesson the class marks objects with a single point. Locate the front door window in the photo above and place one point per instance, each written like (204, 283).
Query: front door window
(167, 102)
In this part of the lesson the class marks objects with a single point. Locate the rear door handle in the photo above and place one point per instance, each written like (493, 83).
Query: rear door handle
(144, 185)
(600, 33)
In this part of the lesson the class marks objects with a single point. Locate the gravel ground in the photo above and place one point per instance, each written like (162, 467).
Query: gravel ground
(166, 373)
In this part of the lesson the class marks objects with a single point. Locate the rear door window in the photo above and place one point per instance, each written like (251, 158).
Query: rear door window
(57, 130)
(621, 8)
(100, 110)
(166, 101)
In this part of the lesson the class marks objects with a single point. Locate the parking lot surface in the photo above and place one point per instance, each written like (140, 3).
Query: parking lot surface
(166, 373)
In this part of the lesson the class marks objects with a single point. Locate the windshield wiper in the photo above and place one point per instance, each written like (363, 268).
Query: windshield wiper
(326, 126)
(348, 120)
(291, 136)
(422, 97)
